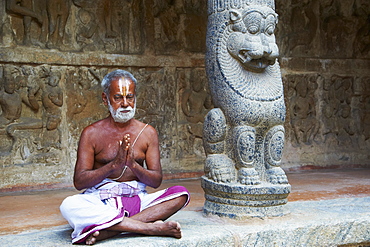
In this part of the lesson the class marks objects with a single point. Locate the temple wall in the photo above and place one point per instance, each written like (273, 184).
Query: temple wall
(325, 51)
(54, 54)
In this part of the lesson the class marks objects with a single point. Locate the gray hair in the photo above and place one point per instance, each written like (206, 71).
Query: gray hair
(106, 82)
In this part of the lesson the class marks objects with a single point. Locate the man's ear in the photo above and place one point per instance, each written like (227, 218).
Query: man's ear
(105, 98)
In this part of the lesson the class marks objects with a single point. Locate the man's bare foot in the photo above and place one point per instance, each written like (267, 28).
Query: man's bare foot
(157, 228)
(170, 229)
(100, 235)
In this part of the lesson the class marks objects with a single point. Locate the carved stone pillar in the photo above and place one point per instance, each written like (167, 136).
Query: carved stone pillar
(244, 135)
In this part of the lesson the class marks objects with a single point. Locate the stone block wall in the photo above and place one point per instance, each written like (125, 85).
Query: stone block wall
(53, 54)
(325, 51)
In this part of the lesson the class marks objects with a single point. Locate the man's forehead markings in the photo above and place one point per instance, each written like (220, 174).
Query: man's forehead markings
(123, 84)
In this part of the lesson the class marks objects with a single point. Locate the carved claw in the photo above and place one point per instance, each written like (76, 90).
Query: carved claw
(219, 168)
(276, 175)
(248, 176)
(224, 175)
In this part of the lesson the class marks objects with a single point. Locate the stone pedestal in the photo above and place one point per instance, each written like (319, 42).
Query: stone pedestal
(239, 201)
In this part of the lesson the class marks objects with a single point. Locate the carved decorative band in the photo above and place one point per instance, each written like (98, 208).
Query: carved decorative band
(215, 6)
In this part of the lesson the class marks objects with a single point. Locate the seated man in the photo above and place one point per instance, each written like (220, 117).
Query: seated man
(110, 166)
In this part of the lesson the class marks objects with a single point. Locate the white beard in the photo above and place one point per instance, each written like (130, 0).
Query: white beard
(119, 116)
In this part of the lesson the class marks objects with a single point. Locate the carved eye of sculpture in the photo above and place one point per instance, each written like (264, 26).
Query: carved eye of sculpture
(270, 25)
(253, 22)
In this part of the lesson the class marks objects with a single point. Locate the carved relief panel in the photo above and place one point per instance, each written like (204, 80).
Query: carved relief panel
(76, 25)
(303, 106)
(31, 99)
(195, 102)
(176, 26)
(324, 28)
(328, 111)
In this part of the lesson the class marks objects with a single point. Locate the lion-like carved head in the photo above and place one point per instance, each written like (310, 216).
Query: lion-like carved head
(252, 40)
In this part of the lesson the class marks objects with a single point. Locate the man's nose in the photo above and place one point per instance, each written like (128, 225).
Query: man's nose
(124, 102)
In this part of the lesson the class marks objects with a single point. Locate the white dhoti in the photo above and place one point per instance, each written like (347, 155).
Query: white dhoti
(107, 203)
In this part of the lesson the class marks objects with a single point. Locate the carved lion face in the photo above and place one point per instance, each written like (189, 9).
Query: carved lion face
(252, 40)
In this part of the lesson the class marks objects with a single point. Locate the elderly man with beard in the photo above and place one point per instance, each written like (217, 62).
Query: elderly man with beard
(110, 166)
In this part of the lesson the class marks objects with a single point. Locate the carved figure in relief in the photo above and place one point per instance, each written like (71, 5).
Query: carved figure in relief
(11, 101)
(167, 14)
(303, 114)
(303, 25)
(244, 136)
(361, 43)
(52, 99)
(87, 31)
(77, 101)
(365, 117)
(337, 96)
(58, 12)
(346, 127)
(195, 102)
(108, 19)
(24, 8)
(15, 92)
(338, 26)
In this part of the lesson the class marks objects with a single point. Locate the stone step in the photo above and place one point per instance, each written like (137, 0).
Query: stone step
(310, 223)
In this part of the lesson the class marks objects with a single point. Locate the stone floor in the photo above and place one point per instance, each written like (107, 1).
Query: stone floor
(37, 213)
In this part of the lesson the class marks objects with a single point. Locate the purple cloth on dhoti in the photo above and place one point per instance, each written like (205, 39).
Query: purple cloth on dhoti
(107, 203)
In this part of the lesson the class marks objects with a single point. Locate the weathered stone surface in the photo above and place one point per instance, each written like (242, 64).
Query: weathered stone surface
(163, 42)
(312, 223)
(324, 46)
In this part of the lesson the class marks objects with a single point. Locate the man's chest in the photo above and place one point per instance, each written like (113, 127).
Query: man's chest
(107, 153)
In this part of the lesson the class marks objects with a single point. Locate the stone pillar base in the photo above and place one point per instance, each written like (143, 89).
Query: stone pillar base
(239, 201)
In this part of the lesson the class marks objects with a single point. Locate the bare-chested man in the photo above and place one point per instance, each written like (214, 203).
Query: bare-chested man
(110, 166)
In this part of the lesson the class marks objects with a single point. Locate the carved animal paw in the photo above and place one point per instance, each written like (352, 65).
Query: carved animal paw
(224, 175)
(276, 175)
(219, 168)
(248, 176)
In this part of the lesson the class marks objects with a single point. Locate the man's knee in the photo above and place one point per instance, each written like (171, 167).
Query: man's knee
(184, 195)
(66, 204)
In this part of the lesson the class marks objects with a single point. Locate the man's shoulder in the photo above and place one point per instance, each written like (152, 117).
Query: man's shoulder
(144, 126)
(96, 126)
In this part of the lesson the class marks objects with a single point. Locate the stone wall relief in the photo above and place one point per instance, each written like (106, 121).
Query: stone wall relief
(303, 115)
(324, 28)
(32, 16)
(167, 24)
(87, 27)
(39, 23)
(361, 43)
(338, 129)
(323, 111)
(108, 25)
(52, 100)
(340, 24)
(303, 27)
(176, 25)
(364, 110)
(156, 105)
(82, 25)
(58, 12)
(31, 102)
(84, 93)
(195, 101)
